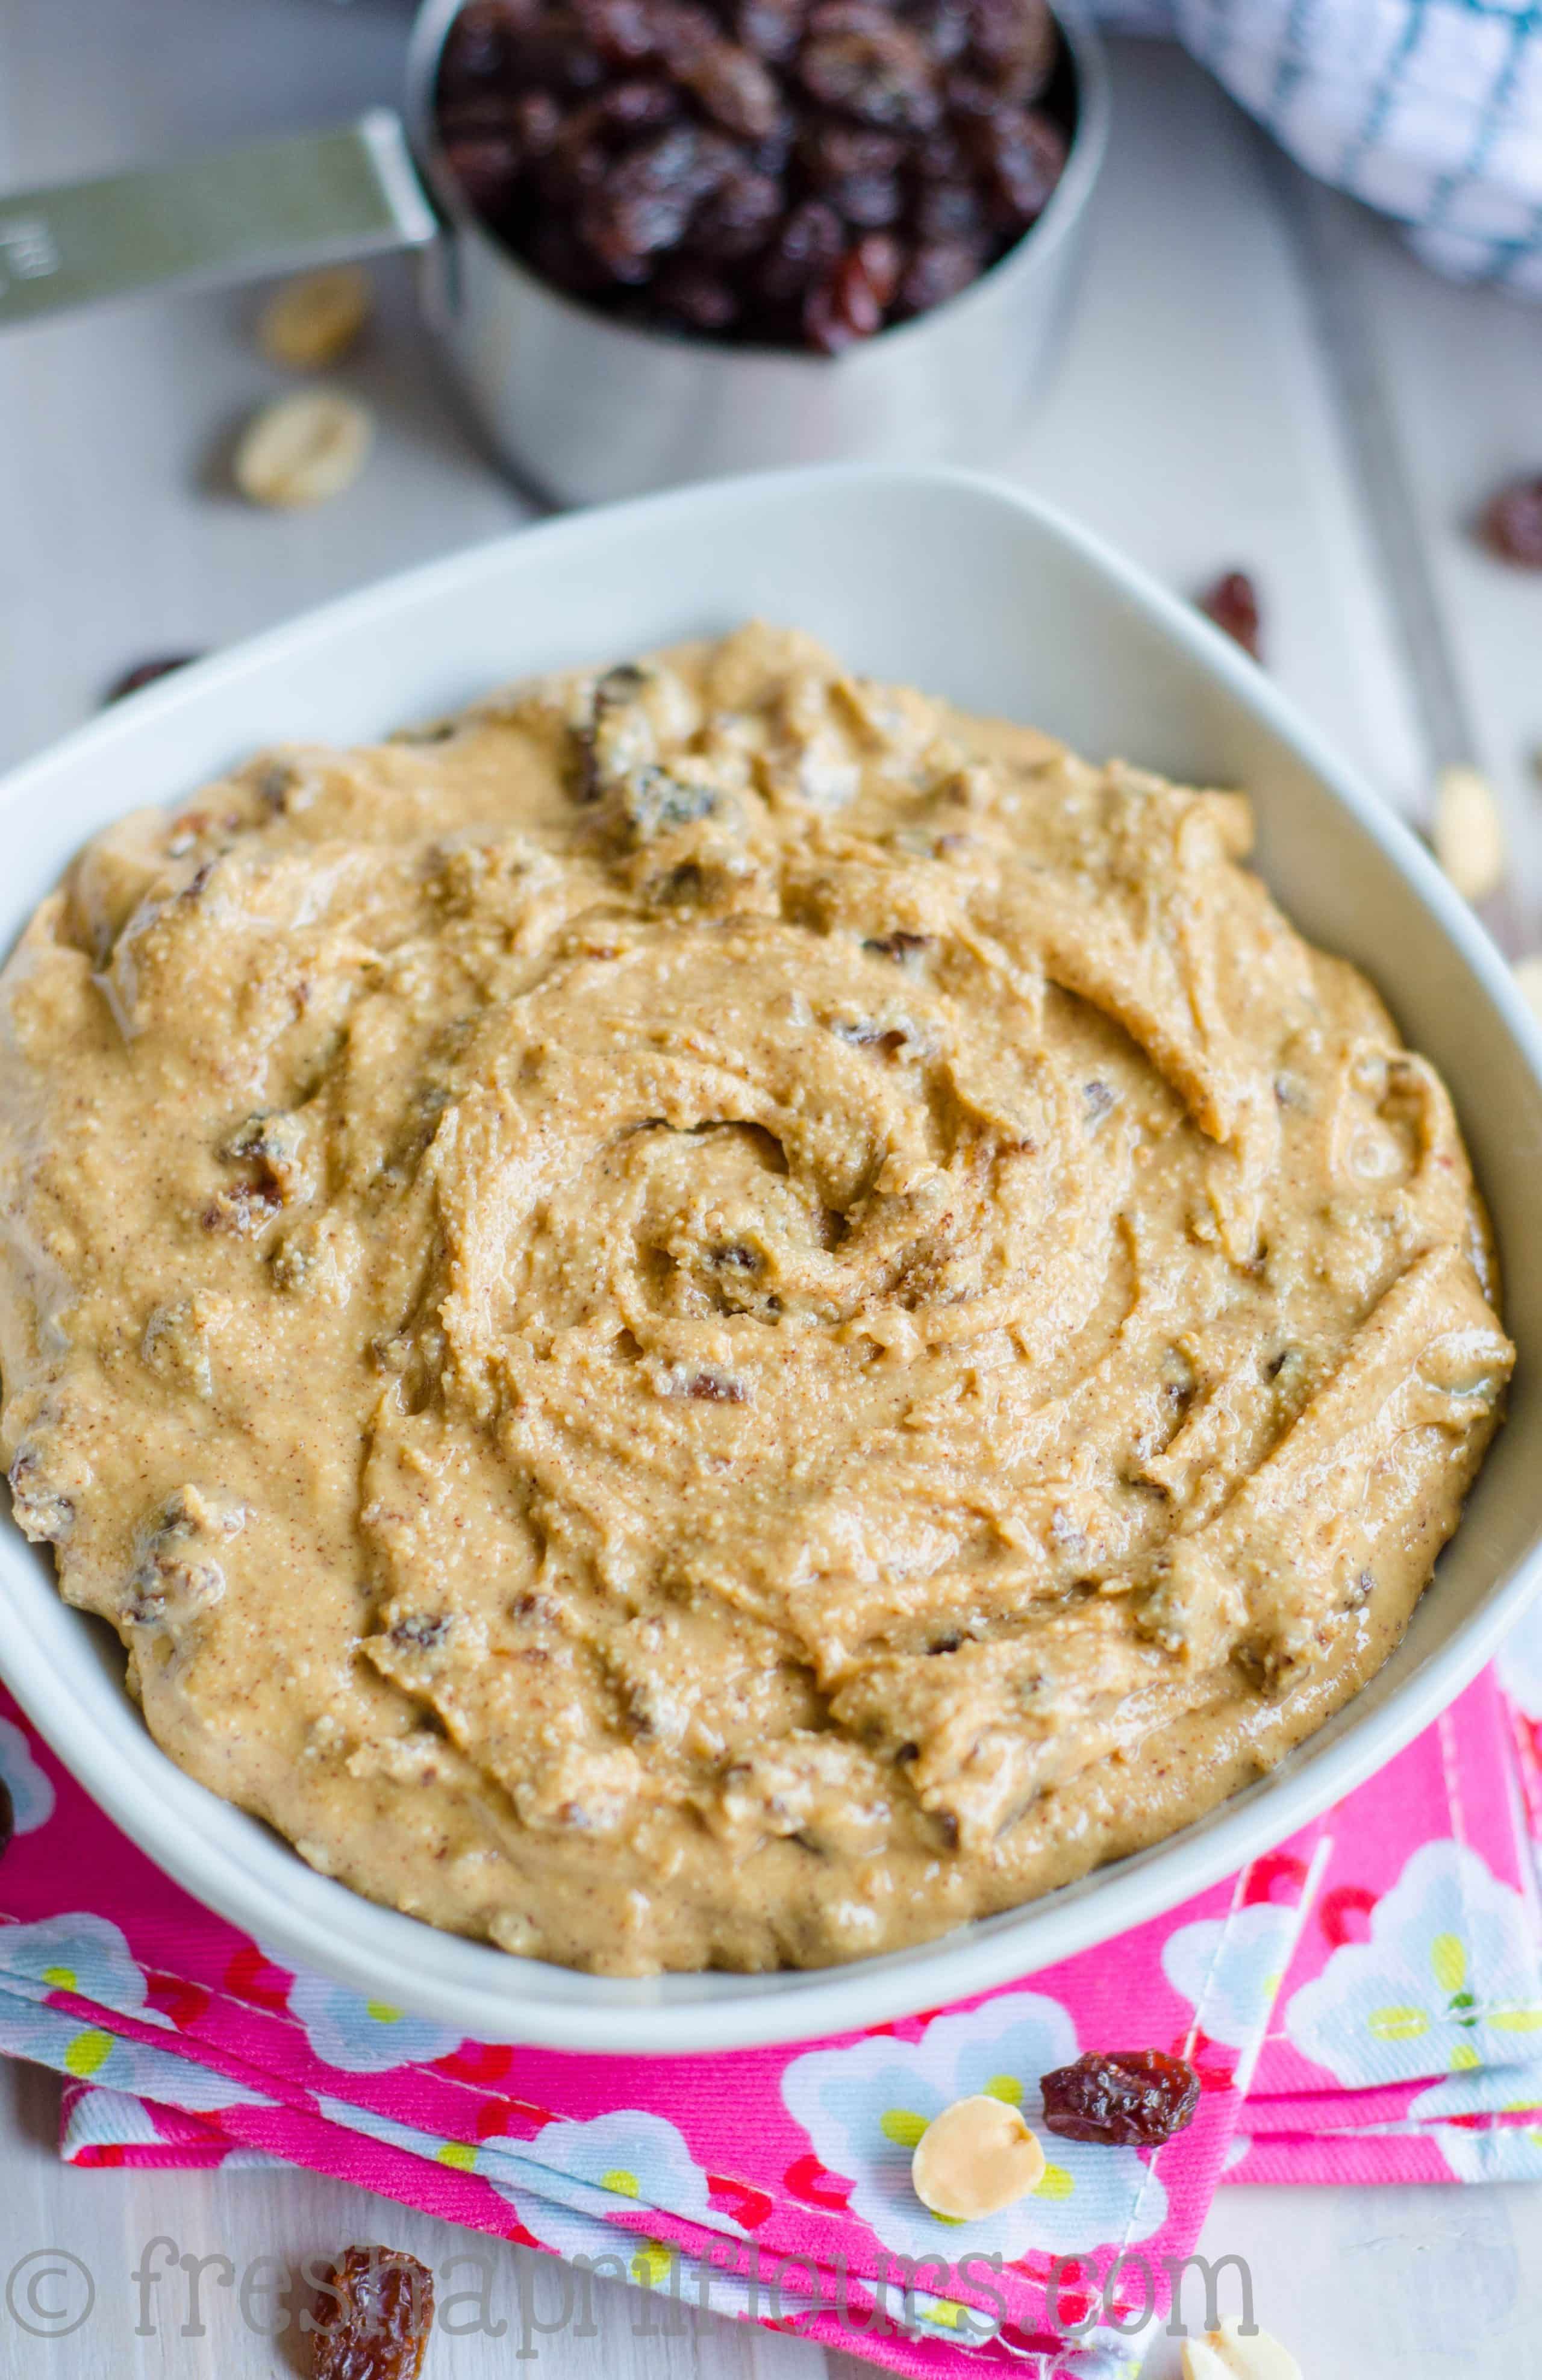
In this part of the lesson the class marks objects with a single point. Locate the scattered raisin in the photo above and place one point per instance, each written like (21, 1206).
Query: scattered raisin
(146, 673)
(679, 887)
(867, 1034)
(1512, 523)
(899, 945)
(1137, 2098)
(714, 1389)
(7, 1818)
(40, 1510)
(246, 1208)
(422, 1632)
(1232, 603)
(653, 802)
(373, 2312)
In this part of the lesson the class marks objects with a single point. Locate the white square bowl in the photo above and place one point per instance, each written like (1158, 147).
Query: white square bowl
(968, 589)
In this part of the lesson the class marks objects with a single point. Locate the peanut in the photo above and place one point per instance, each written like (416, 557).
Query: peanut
(975, 2157)
(1468, 832)
(302, 449)
(315, 319)
(1233, 2354)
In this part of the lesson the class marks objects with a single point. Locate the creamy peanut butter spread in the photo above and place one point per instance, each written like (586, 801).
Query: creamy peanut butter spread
(716, 1315)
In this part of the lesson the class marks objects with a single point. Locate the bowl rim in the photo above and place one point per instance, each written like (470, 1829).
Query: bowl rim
(294, 1912)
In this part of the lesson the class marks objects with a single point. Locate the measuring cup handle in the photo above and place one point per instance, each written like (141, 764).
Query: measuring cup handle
(270, 206)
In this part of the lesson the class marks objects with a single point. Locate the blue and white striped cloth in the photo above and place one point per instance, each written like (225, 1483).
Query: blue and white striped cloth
(1430, 110)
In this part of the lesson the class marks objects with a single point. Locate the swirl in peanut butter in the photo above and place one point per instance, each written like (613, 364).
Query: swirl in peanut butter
(715, 1315)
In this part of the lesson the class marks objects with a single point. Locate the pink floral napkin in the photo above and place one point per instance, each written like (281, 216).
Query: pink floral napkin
(1401, 2043)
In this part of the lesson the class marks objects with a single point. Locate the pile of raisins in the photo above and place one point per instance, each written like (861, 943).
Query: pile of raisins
(782, 173)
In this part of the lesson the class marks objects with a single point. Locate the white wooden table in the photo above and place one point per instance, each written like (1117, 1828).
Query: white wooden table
(1201, 422)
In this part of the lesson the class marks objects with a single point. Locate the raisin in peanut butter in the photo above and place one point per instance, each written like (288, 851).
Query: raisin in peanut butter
(716, 1315)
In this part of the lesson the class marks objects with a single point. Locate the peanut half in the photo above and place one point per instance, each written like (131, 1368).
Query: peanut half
(315, 319)
(1230, 2353)
(302, 449)
(975, 2157)
(1468, 832)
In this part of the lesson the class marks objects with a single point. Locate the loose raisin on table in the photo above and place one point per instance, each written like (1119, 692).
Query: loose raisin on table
(146, 673)
(1134, 2099)
(1512, 522)
(373, 2314)
(1232, 603)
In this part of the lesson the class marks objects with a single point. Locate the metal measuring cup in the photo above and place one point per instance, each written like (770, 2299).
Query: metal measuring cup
(585, 408)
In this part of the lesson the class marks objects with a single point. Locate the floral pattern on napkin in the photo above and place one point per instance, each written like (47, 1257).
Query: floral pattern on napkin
(774, 2182)
(1404, 2043)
